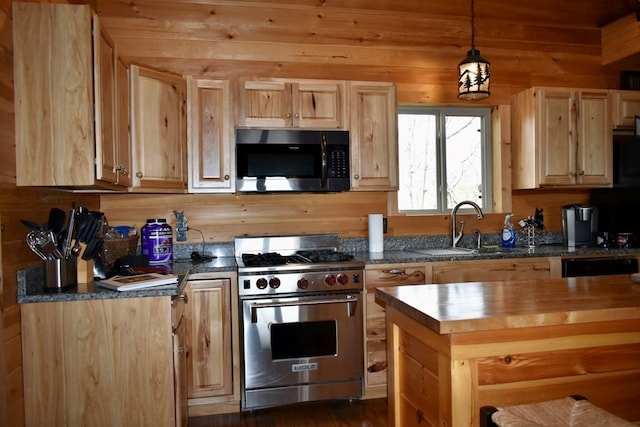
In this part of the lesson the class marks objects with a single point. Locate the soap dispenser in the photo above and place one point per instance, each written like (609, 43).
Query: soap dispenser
(508, 233)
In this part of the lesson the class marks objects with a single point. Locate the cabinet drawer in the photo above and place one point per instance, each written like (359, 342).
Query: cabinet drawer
(499, 269)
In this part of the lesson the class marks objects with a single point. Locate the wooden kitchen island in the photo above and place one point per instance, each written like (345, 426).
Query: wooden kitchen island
(453, 348)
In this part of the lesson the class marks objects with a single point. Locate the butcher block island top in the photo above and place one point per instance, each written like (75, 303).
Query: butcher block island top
(479, 306)
(453, 348)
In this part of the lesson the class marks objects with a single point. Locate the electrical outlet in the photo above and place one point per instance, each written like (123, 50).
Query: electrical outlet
(181, 226)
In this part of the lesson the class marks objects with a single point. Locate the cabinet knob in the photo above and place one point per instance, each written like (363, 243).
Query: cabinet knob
(184, 350)
(581, 173)
(287, 115)
(356, 176)
(139, 175)
(296, 115)
(122, 170)
(227, 177)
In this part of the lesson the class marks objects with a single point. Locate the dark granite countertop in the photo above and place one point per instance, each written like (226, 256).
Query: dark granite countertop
(410, 255)
(31, 281)
(31, 287)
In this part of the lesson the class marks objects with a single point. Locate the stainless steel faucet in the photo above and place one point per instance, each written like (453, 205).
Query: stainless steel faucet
(454, 234)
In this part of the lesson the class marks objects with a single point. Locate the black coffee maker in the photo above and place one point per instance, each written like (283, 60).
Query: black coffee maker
(579, 225)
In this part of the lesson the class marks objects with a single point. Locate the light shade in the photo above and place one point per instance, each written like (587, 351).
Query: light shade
(473, 77)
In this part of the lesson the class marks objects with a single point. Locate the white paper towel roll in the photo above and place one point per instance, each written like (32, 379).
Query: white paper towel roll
(376, 243)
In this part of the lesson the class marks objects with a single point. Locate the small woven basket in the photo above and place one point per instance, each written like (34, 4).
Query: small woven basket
(112, 249)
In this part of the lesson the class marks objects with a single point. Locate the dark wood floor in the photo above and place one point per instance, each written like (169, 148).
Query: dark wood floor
(365, 413)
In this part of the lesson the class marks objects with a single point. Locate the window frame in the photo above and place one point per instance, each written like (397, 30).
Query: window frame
(485, 114)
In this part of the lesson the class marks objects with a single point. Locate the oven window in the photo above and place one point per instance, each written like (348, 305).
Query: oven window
(303, 339)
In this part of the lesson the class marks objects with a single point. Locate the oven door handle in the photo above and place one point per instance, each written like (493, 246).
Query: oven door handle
(349, 300)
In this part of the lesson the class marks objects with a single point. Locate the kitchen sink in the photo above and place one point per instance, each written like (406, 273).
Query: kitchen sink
(446, 251)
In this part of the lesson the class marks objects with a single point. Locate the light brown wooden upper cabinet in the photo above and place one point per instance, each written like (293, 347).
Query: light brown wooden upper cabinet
(159, 130)
(562, 137)
(277, 103)
(626, 106)
(374, 136)
(210, 136)
(57, 50)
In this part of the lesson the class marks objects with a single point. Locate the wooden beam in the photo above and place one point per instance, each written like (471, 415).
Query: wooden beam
(621, 39)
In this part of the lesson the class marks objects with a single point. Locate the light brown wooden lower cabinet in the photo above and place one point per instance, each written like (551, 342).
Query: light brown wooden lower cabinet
(377, 276)
(444, 380)
(212, 331)
(99, 363)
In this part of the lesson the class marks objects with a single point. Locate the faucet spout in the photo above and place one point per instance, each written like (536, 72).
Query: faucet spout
(455, 236)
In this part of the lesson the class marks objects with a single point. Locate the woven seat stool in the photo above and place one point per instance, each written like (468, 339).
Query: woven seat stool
(571, 411)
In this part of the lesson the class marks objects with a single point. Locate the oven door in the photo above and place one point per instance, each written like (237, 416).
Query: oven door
(302, 341)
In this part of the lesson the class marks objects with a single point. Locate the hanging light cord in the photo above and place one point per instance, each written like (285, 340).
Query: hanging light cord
(473, 30)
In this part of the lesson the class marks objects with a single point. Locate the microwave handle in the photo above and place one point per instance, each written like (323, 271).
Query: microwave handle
(323, 138)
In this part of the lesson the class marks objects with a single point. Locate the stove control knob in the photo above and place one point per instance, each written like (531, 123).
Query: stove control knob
(343, 279)
(303, 283)
(329, 280)
(274, 283)
(261, 283)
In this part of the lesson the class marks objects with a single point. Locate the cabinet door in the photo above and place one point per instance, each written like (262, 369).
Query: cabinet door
(594, 139)
(54, 108)
(210, 137)
(376, 356)
(124, 161)
(557, 143)
(626, 106)
(374, 136)
(318, 105)
(265, 104)
(208, 317)
(158, 129)
(105, 89)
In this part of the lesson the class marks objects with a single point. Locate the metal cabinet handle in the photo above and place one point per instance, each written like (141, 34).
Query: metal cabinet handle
(397, 271)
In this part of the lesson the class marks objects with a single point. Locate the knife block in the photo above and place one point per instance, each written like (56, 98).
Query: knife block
(84, 268)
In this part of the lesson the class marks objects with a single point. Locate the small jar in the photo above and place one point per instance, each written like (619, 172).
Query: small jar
(157, 241)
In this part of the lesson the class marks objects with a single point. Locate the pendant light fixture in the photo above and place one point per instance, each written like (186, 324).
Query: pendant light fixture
(473, 71)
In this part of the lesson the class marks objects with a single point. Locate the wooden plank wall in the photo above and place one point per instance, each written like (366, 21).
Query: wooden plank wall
(416, 43)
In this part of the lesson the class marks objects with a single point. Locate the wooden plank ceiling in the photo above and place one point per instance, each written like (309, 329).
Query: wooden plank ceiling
(546, 42)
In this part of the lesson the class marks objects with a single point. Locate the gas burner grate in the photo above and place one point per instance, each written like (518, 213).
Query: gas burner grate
(264, 260)
(324, 255)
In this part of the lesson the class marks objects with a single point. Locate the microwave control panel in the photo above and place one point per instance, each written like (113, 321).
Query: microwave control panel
(338, 164)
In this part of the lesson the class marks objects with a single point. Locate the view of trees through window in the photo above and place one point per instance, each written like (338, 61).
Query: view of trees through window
(442, 158)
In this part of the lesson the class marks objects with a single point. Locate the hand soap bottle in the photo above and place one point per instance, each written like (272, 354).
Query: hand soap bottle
(508, 233)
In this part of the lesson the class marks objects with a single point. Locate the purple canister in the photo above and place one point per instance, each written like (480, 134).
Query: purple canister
(157, 242)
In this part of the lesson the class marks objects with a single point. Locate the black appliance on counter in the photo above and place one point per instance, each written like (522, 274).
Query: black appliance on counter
(618, 210)
(292, 160)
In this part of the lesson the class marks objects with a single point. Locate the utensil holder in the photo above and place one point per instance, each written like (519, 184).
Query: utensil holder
(60, 274)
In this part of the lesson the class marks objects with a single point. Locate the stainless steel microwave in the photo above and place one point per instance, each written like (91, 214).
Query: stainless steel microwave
(281, 160)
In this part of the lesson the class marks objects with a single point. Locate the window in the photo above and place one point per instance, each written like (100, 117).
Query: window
(445, 158)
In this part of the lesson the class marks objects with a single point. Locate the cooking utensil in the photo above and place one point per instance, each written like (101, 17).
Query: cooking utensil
(66, 248)
(56, 220)
(33, 243)
(31, 225)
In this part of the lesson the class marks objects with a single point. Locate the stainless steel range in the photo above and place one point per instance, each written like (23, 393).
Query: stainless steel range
(302, 327)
